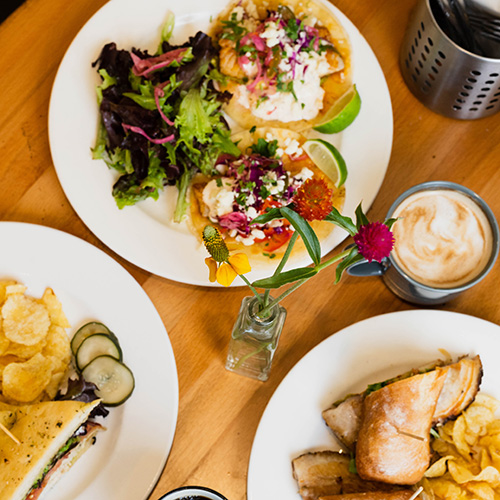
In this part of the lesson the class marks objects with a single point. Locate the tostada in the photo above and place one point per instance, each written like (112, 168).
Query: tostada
(285, 63)
(271, 168)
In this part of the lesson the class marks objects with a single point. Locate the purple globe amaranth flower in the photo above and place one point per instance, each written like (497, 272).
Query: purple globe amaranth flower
(374, 241)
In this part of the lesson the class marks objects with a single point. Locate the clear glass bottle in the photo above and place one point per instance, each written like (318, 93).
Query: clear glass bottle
(254, 340)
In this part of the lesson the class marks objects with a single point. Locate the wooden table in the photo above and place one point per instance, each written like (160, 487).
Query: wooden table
(219, 411)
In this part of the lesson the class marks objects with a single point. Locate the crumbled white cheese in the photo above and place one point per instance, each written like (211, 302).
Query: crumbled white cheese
(292, 148)
(278, 187)
(251, 213)
(273, 34)
(239, 11)
(218, 199)
(304, 174)
(246, 241)
(258, 234)
(221, 168)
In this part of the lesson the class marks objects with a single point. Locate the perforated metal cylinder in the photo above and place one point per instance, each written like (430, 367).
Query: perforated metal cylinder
(442, 75)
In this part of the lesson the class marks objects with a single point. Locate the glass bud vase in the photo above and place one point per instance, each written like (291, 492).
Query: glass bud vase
(254, 340)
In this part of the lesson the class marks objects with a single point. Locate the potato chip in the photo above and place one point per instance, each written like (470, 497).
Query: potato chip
(25, 321)
(6, 360)
(54, 307)
(35, 351)
(4, 343)
(3, 288)
(24, 382)
(481, 491)
(53, 386)
(58, 346)
(439, 468)
(15, 289)
(25, 352)
(469, 450)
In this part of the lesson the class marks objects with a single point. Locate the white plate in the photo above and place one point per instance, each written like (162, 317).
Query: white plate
(143, 234)
(129, 457)
(363, 353)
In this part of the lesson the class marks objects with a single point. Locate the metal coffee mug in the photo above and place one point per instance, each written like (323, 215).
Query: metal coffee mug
(191, 492)
(406, 287)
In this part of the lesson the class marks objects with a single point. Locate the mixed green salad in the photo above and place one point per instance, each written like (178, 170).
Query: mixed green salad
(161, 119)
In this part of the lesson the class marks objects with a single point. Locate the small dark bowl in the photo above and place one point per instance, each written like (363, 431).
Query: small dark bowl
(192, 493)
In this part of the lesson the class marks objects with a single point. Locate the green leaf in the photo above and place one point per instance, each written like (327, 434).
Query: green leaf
(306, 232)
(182, 199)
(99, 150)
(353, 257)
(286, 277)
(270, 215)
(390, 222)
(361, 219)
(107, 81)
(342, 221)
(265, 148)
(166, 31)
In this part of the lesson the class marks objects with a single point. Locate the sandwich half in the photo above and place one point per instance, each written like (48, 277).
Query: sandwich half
(51, 436)
(394, 437)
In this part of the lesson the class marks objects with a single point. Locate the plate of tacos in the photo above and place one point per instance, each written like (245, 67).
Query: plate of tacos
(266, 77)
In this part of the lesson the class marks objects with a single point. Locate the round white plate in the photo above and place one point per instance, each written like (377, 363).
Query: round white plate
(130, 455)
(144, 234)
(366, 352)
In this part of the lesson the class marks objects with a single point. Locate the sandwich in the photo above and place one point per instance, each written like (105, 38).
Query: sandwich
(385, 432)
(326, 473)
(393, 443)
(373, 495)
(285, 62)
(39, 442)
(272, 166)
(398, 414)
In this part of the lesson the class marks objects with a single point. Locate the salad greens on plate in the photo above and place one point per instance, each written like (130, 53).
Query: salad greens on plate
(161, 119)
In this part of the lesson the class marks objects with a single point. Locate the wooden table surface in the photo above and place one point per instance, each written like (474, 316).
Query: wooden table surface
(219, 411)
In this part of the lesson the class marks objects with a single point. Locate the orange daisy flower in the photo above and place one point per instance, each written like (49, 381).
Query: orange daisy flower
(313, 200)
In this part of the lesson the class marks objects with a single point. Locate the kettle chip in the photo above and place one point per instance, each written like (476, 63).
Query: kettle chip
(35, 352)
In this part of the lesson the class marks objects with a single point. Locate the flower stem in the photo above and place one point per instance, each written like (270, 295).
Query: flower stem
(282, 263)
(267, 308)
(278, 299)
(254, 291)
(261, 348)
(333, 259)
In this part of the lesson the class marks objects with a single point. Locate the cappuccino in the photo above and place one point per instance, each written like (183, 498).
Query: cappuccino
(443, 239)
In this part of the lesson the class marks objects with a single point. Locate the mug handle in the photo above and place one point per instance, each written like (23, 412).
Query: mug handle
(365, 268)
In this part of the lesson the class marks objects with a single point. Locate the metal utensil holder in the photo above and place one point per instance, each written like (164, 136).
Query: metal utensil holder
(443, 76)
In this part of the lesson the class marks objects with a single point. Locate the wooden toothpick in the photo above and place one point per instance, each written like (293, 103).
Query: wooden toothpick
(414, 436)
(9, 433)
(415, 495)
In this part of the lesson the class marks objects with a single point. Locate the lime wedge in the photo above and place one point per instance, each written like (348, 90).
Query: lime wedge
(328, 159)
(342, 113)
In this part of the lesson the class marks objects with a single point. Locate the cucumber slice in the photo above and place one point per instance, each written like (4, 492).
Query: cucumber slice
(114, 380)
(91, 329)
(94, 346)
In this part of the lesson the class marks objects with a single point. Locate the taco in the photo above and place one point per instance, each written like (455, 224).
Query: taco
(268, 173)
(284, 62)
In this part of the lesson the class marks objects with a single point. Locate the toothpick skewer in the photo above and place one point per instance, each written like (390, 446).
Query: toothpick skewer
(9, 434)
(415, 495)
(414, 436)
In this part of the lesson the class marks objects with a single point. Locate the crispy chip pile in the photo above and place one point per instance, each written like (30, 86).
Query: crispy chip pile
(468, 465)
(35, 351)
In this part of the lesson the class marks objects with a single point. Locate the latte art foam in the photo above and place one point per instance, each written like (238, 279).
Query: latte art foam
(443, 238)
